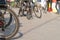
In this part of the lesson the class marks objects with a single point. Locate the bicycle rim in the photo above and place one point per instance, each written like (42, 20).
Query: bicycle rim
(38, 12)
(16, 25)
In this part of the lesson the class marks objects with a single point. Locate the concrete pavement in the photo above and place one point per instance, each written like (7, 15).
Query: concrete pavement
(46, 28)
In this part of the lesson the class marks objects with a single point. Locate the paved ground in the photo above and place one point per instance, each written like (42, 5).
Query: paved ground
(46, 28)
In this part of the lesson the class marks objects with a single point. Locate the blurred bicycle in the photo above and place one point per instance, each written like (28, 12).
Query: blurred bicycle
(26, 6)
(9, 23)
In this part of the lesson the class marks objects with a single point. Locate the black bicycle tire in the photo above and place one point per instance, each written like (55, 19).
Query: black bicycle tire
(17, 25)
(39, 13)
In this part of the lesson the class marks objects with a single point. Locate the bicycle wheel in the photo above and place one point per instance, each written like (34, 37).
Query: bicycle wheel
(38, 12)
(13, 28)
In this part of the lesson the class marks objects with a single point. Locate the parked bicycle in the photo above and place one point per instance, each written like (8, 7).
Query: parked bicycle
(8, 20)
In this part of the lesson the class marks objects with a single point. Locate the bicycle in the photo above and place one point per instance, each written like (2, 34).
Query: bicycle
(7, 18)
(35, 9)
(25, 7)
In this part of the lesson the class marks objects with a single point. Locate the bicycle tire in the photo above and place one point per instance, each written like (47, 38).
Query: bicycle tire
(36, 14)
(17, 25)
